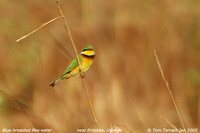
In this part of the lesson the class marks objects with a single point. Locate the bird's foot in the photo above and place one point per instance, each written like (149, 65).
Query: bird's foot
(82, 75)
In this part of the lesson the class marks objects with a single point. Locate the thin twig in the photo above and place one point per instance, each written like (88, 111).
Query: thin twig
(43, 25)
(60, 47)
(89, 101)
(169, 122)
(68, 33)
(168, 88)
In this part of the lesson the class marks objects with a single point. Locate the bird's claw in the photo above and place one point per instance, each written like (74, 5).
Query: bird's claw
(82, 75)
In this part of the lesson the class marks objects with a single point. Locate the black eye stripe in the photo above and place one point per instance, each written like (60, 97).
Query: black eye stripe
(86, 49)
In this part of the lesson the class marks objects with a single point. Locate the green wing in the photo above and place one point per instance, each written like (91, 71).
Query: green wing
(71, 66)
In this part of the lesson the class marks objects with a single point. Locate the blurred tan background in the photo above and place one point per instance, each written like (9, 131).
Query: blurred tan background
(124, 83)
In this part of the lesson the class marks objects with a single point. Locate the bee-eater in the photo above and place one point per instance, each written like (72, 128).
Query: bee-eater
(86, 59)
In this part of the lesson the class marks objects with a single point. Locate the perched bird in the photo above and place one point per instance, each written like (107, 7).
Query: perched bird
(86, 59)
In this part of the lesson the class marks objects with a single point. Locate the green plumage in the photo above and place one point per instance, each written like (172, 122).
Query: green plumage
(86, 60)
(73, 65)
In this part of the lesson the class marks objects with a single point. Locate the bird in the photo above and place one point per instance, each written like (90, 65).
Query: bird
(86, 58)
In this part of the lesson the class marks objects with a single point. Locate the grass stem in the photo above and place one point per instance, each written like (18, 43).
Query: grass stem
(37, 29)
(168, 88)
(68, 32)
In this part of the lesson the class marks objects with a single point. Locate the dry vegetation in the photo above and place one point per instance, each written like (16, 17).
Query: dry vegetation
(124, 83)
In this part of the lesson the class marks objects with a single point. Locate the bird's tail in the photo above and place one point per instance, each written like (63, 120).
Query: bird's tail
(54, 83)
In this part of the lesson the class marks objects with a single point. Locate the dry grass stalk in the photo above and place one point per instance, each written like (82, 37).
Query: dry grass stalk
(32, 32)
(168, 88)
(68, 33)
(169, 122)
